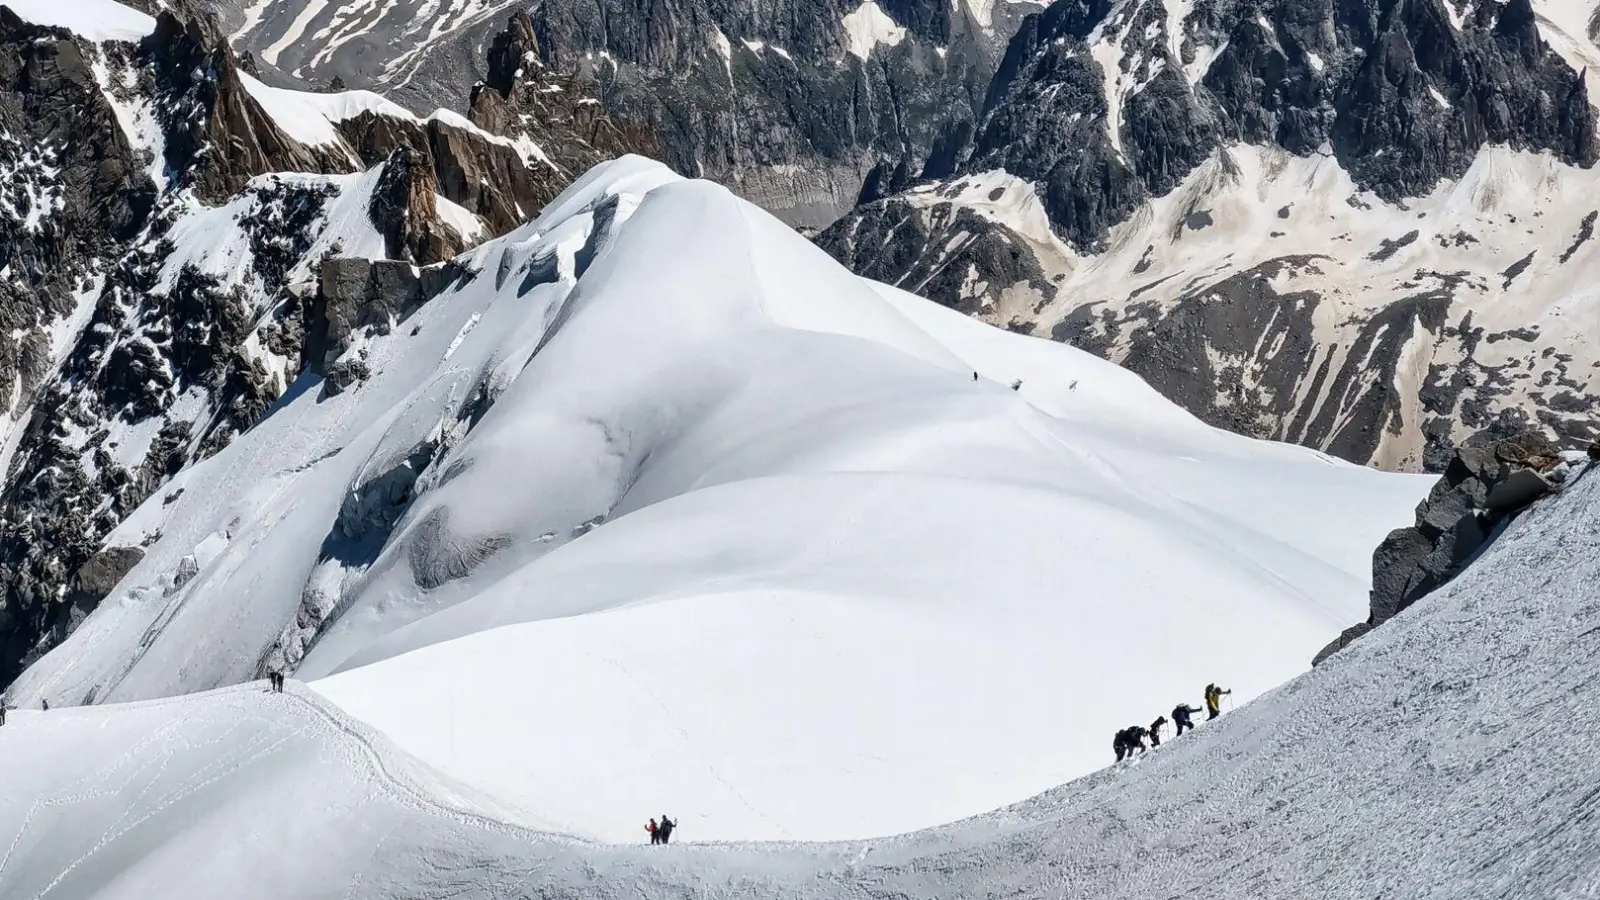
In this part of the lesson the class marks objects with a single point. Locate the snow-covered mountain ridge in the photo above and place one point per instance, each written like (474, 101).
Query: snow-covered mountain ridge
(1352, 224)
(728, 527)
(165, 213)
(1355, 225)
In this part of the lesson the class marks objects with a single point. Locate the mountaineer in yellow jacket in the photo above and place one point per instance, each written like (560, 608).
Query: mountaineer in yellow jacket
(1214, 701)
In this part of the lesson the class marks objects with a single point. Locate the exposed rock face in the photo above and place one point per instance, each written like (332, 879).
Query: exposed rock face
(1358, 76)
(931, 243)
(521, 97)
(202, 98)
(355, 294)
(404, 208)
(792, 104)
(159, 243)
(1242, 205)
(1487, 482)
(95, 579)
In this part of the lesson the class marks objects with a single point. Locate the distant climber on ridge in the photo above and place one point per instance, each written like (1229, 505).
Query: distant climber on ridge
(1180, 717)
(665, 828)
(276, 678)
(1155, 730)
(1214, 701)
(655, 833)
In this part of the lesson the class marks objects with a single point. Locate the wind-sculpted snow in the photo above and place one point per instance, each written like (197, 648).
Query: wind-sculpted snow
(1437, 758)
(662, 506)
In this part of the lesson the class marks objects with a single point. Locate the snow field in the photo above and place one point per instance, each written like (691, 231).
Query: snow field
(705, 522)
(1435, 758)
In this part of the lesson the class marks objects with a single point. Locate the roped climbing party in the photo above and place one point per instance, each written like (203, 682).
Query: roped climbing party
(1132, 739)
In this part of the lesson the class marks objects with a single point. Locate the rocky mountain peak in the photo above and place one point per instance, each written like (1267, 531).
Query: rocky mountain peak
(513, 51)
(217, 136)
(404, 208)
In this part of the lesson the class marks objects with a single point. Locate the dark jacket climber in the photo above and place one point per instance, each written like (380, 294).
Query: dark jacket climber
(655, 833)
(1128, 740)
(1214, 700)
(1155, 730)
(1180, 717)
(1136, 736)
(665, 829)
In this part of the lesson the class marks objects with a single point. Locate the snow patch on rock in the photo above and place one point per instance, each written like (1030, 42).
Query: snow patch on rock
(868, 27)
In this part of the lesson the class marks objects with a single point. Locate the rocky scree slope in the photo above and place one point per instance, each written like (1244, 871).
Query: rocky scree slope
(1359, 225)
(792, 104)
(164, 215)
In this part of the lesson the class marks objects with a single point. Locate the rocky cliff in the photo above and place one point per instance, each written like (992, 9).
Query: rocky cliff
(164, 218)
(1353, 224)
(1486, 485)
(792, 104)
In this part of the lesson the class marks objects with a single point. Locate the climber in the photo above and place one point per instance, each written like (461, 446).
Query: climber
(44, 705)
(276, 678)
(655, 833)
(1155, 730)
(1180, 717)
(2, 713)
(1214, 701)
(974, 376)
(1136, 735)
(1128, 740)
(665, 829)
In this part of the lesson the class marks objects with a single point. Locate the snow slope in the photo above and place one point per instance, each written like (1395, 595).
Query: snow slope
(1436, 758)
(95, 20)
(664, 507)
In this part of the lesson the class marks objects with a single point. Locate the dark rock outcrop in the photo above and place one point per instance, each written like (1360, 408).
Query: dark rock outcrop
(1487, 482)
(95, 579)
(950, 244)
(404, 210)
(355, 294)
(215, 132)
